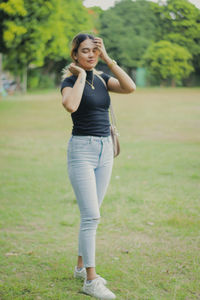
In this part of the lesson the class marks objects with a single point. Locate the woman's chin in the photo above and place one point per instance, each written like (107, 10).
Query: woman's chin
(91, 65)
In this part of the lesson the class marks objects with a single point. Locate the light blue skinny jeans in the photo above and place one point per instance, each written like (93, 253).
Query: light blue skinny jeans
(90, 161)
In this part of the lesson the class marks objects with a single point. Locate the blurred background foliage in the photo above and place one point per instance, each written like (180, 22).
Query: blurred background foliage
(156, 43)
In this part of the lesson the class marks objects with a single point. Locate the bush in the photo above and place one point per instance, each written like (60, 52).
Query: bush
(38, 80)
(168, 62)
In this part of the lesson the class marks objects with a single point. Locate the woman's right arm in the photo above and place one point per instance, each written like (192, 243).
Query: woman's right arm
(71, 97)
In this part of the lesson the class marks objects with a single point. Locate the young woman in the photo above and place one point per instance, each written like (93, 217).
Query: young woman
(90, 151)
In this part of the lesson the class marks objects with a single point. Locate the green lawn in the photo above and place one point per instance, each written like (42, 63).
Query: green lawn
(148, 241)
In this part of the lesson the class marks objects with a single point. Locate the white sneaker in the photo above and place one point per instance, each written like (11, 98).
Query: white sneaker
(83, 275)
(97, 289)
(80, 274)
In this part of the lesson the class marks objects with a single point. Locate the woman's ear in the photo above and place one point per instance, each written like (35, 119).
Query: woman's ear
(74, 57)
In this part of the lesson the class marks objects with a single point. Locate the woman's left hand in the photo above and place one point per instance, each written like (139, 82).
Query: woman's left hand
(99, 43)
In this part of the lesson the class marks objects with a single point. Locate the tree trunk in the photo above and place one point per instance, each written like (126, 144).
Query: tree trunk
(173, 83)
(24, 80)
(18, 82)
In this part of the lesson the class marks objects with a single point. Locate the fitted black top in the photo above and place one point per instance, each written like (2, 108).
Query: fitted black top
(92, 116)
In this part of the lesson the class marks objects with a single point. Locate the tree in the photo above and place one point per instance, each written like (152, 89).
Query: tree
(167, 61)
(128, 29)
(178, 21)
(14, 9)
(34, 30)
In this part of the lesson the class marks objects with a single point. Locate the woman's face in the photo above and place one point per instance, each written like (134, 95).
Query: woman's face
(87, 55)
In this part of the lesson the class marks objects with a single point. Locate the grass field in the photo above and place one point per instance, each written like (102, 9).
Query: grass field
(148, 241)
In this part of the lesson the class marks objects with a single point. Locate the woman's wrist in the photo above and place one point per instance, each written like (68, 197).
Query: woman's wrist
(82, 77)
(107, 60)
(110, 62)
(113, 63)
(82, 74)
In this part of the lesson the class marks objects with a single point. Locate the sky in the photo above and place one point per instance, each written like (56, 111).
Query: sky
(104, 4)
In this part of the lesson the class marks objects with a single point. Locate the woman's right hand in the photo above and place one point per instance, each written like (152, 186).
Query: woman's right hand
(76, 70)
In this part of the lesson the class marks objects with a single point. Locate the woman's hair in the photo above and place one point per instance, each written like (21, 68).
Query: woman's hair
(77, 40)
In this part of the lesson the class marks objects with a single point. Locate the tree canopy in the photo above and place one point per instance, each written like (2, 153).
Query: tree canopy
(168, 61)
(128, 29)
(33, 30)
(179, 22)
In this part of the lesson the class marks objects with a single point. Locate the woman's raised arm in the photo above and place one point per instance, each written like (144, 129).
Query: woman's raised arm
(71, 97)
(122, 83)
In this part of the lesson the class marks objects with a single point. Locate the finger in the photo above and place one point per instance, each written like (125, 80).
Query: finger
(97, 40)
(99, 45)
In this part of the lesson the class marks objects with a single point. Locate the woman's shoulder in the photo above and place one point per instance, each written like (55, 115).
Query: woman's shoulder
(68, 82)
(71, 78)
(103, 75)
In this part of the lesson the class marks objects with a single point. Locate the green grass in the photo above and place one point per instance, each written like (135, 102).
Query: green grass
(148, 241)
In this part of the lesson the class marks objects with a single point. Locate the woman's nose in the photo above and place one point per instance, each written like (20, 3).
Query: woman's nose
(91, 54)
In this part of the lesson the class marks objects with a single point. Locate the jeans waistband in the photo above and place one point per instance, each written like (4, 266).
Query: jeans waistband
(91, 138)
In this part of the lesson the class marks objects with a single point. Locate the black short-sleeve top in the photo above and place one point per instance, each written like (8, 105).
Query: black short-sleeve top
(92, 115)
